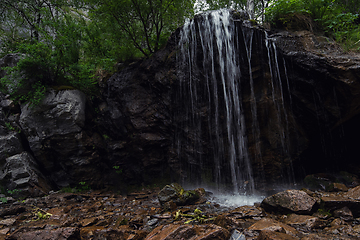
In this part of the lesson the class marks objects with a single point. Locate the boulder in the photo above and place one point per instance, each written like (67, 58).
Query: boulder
(318, 181)
(175, 193)
(353, 193)
(56, 135)
(344, 214)
(10, 145)
(337, 187)
(60, 113)
(289, 201)
(334, 201)
(21, 172)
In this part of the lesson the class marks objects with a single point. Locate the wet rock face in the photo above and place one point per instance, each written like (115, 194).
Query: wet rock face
(138, 118)
(55, 133)
(318, 98)
(325, 87)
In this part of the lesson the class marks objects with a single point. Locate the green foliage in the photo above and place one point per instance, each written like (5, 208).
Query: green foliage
(197, 216)
(83, 187)
(330, 17)
(8, 193)
(39, 214)
(324, 212)
(139, 27)
(282, 11)
(49, 35)
(118, 169)
(341, 25)
(14, 191)
(9, 126)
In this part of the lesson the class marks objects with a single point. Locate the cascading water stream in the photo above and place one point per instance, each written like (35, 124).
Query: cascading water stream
(215, 68)
(218, 65)
(279, 102)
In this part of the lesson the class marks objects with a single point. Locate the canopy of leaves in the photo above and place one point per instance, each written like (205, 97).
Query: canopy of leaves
(336, 18)
(49, 35)
(146, 24)
(65, 42)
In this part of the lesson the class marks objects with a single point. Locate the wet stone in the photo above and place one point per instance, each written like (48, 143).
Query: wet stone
(289, 201)
(302, 222)
(344, 213)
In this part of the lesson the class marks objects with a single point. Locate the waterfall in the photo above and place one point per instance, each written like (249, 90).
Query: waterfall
(279, 102)
(215, 74)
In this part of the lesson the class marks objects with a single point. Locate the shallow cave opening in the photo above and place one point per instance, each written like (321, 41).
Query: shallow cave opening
(334, 151)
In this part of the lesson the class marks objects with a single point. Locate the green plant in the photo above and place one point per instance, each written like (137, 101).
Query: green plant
(282, 11)
(9, 126)
(118, 170)
(14, 191)
(196, 216)
(83, 186)
(329, 16)
(341, 26)
(324, 212)
(3, 200)
(67, 190)
(39, 214)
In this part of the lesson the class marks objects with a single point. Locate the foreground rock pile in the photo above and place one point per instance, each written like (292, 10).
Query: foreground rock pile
(292, 214)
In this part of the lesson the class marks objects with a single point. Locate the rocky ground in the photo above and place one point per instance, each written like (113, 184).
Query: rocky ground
(291, 214)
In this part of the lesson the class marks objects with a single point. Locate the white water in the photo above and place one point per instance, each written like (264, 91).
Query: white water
(210, 90)
(219, 67)
(236, 200)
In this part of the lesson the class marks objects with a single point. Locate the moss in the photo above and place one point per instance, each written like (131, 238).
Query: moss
(253, 22)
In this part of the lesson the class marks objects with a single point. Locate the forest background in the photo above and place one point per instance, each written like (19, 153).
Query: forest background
(73, 43)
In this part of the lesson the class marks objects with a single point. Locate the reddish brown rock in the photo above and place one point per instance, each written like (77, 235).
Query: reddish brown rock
(247, 212)
(349, 199)
(270, 235)
(337, 187)
(302, 222)
(344, 213)
(353, 193)
(59, 234)
(177, 232)
(274, 226)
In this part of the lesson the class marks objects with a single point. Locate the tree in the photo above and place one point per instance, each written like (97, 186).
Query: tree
(255, 8)
(146, 23)
(49, 35)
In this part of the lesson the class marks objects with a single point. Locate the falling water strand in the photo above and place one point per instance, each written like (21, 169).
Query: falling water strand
(219, 66)
(248, 37)
(279, 102)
